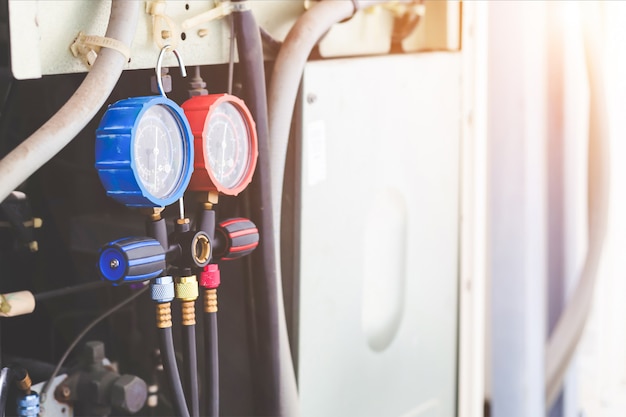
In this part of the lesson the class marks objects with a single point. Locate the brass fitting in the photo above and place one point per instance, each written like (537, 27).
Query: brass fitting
(164, 315)
(202, 247)
(188, 309)
(208, 199)
(182, 221)
(186, 288)
(210, 301)
(25, 383)
(154, 213)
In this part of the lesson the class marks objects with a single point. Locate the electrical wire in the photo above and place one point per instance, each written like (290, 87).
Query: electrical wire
(569, 328)
(211, 364)
(48, 295)
(191, 370)
(82, 334)
(166, 345)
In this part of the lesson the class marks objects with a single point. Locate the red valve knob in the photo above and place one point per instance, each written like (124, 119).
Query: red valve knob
(235, 238)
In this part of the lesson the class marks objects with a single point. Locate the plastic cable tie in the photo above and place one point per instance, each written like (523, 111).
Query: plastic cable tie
(241, 6)
(162, 23)
(219, 11)
(88, 46)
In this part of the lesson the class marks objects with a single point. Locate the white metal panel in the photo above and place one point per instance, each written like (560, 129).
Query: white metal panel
(475, 217)
(42, 32)
(380, 218)
(518, 206)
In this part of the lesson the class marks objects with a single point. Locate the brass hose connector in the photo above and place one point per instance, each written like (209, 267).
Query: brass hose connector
(24, 383)
(164, 315)
(188, 313)
(210, 300)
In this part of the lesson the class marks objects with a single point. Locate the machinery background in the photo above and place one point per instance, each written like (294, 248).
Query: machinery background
(445, 204)
(326, 157)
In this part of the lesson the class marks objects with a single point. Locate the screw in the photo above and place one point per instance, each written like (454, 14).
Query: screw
(66, 391)
(114, 263)
(311, 98)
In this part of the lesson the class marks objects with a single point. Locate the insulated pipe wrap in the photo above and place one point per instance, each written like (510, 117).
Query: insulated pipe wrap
(569, 329)
(57, 132)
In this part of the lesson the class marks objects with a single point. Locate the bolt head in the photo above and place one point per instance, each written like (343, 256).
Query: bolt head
(94, 352)
(129, 393)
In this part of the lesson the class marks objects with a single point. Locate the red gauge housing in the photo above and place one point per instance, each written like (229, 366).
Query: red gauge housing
(225, 141)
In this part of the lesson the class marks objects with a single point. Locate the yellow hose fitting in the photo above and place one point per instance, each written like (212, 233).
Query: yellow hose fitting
(186, 288)
(188, 309)
(210, 301)
(164, 315)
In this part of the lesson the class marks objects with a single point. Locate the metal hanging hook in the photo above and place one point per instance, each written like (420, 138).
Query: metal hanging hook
(159, 64)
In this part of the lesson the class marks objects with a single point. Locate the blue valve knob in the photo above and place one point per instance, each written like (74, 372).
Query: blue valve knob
(131, 259)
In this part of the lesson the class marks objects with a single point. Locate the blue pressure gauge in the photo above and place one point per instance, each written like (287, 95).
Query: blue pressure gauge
(144, 151)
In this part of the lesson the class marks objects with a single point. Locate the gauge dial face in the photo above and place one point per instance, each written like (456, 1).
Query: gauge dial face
(227, 145)
(159, 151)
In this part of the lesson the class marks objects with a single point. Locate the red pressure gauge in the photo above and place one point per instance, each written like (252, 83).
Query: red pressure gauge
(225, 142)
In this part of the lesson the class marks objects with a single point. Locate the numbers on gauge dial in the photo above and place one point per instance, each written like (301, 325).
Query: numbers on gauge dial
(158, 151)
(227, 145)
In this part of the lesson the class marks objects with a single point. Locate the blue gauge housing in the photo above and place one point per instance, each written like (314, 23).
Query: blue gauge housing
(115, 159)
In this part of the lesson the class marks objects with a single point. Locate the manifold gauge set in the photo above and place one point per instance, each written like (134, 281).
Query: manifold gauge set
(150, 149)
(147, 148)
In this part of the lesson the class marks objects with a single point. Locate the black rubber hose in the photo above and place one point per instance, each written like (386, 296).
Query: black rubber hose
(264, 289)
(191, 369)
(166, 344)
(211, 365)
(48, 295)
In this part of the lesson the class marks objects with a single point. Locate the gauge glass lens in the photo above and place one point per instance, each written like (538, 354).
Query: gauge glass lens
(159, 151)
(227, 145)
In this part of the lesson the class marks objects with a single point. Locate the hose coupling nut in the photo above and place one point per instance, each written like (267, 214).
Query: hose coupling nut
(162, 289)
(186, 288)
(28, 405)
(210, 276)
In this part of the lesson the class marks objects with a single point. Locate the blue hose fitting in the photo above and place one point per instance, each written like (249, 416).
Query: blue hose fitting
(162, 289)
(28, 405)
